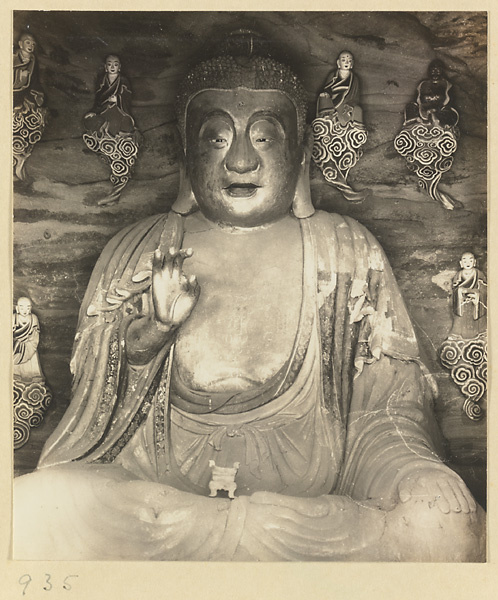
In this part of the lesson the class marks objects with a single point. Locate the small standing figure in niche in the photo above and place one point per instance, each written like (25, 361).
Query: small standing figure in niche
(29, 114)
(465, 350)
(430, 134)
(110, 128)
(31, 395)
(338, 129)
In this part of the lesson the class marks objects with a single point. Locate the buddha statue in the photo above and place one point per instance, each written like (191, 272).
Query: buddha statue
(247, 331)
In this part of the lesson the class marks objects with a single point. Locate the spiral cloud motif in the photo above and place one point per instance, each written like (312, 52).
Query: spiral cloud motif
(450, 354)
(21, 434)
(336, 147)
(474, 389)
(30, 403)
(462, 373)
(404, 143)
(472, 410)
(428, 150)
(474, 352)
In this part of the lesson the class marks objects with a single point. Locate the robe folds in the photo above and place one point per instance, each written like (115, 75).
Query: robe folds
(114, 117)
(370, 398)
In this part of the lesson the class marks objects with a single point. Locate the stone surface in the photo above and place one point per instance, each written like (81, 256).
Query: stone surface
(59, 231)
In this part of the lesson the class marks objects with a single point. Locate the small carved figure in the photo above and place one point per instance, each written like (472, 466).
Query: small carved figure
(464, 352)
(29, 114)
(31, 395)
(110, 128)
(223, 478)
(429, 135)
(338, 129)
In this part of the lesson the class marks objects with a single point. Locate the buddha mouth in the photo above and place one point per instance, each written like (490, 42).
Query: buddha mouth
(241, 190)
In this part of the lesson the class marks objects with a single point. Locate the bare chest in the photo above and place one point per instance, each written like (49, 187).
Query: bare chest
(243, 327)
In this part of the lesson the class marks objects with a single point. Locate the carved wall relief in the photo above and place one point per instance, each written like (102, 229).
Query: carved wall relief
(429, 136)
(465, 352)
(338, 129)
(29, 114)
(31, 395)
(110, 128)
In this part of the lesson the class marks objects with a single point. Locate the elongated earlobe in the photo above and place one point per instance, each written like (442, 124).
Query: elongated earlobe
(185, 202)
(302, 206)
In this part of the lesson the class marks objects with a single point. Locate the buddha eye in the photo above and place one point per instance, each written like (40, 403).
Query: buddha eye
(264, 133)
(218, 142)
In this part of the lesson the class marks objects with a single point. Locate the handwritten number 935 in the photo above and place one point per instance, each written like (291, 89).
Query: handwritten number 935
(26, 579)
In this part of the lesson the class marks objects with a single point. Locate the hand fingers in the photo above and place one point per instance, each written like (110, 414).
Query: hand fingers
(157, 260)
(467, 495)
(451, 501)
(462, 500)
(180, 256)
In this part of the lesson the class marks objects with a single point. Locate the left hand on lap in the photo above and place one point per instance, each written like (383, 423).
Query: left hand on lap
(441, 487)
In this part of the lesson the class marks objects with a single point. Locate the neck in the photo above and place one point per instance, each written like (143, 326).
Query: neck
(112, 77)
(232, 229)
(344, 73)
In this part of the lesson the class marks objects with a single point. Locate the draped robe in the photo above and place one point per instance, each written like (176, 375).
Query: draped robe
(114, 117)
(122, 475)
(370, 393)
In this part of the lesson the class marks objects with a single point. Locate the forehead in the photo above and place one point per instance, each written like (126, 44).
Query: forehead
(23, 302)
(242, 104)
(27, 37)
(110, 59)
(345, 55)
(468, 255)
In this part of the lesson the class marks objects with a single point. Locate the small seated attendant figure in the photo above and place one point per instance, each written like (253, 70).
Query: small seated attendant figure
(112, 106)
(26, 334)
(340, 97)
(469, 299)
(246, 327)
(29, 114)
(110, 129)
(31, 395)
(338, 129)
(433, 100)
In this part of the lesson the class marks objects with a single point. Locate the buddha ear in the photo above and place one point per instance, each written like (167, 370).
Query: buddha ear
(302, 206)
(185, 202)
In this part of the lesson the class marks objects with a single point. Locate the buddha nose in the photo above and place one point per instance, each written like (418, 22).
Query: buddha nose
(241, 157)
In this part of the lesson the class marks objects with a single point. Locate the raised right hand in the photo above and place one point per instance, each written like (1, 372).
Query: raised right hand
(173, 294)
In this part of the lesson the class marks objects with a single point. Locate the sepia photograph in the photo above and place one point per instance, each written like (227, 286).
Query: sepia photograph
(249, 286)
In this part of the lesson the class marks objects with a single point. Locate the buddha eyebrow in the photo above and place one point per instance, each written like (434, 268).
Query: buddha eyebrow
(216, 113)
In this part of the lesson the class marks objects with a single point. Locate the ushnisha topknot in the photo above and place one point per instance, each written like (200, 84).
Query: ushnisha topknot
(242, 66)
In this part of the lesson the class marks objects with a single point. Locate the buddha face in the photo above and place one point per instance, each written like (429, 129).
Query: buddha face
(243, 155)
(27, 44)
(468, 261)
(112, 65)
(24, 307)
(345, 61)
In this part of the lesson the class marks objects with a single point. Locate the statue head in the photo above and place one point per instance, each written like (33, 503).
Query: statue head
(436, 69)
(468, 261)
(27, 43)
(345, 61)
(112, 64)
(242, 119)
(23, 306)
